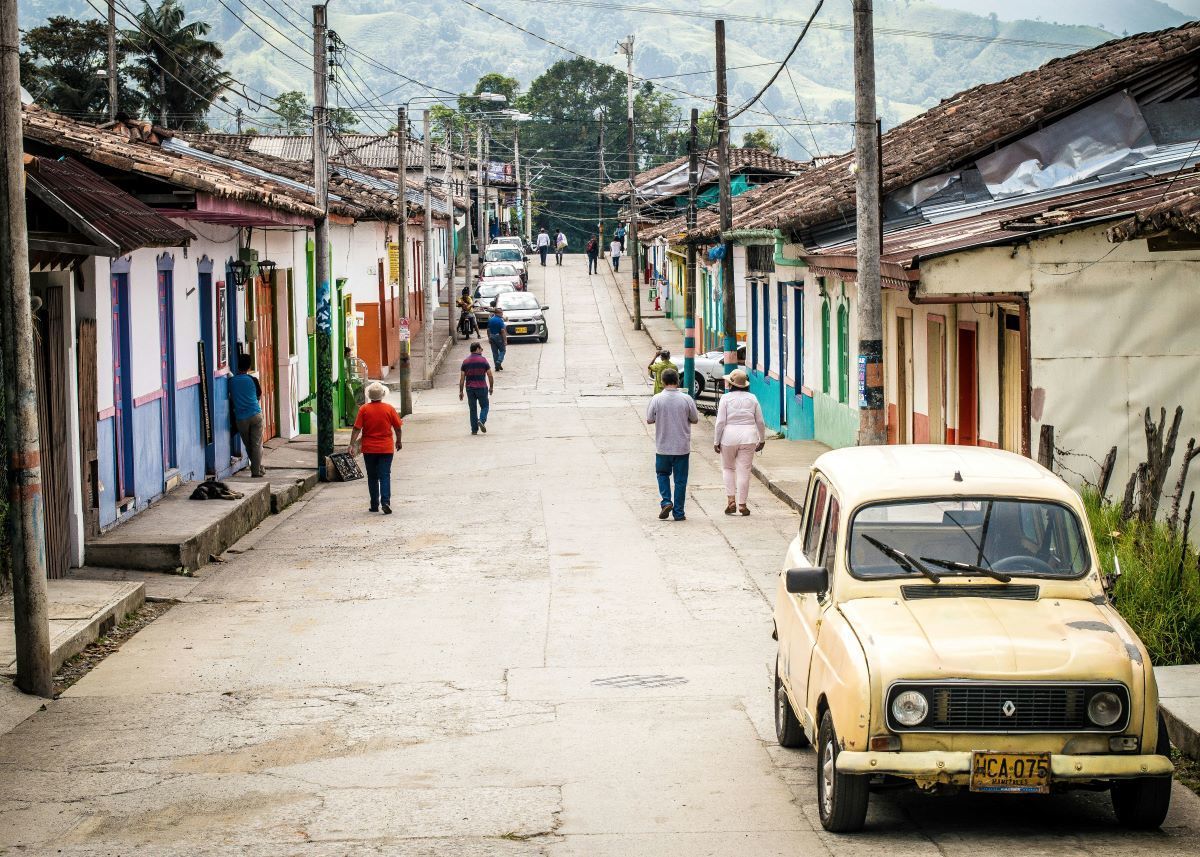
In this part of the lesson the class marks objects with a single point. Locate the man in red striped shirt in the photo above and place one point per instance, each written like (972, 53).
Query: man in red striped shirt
(475, 379)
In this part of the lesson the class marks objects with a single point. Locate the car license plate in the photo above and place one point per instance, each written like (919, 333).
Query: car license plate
(1012, 773)
(520, 330)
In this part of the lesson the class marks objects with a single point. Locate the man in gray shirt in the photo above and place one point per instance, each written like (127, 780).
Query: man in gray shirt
(672, 413)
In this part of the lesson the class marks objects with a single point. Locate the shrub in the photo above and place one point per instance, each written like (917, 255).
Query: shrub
(1158, 591)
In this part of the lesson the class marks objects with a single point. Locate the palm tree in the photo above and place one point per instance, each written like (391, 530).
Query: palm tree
(177, 67)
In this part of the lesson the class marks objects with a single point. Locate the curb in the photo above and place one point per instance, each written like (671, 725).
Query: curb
(1183, 735)
(777, 489)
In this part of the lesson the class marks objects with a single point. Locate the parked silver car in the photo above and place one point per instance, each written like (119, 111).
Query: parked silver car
(523, 315)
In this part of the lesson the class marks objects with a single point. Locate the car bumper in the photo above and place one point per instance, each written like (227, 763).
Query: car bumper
(955, 766)
(533, 329)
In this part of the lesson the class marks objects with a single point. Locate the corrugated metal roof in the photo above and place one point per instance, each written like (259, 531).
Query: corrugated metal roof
(1070, 209)
(128, 222)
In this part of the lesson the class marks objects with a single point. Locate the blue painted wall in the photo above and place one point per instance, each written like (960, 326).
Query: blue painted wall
(224, 431)
(106, 457)
(147, 453)
(189, 441)
(799, 408)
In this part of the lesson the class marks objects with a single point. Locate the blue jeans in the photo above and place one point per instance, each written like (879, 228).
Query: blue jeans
(379, 477)
(543, 251)
(668, 467)
(497, 349)
(477, 401)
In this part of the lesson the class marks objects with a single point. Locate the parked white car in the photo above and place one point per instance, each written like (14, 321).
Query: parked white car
(710, 370)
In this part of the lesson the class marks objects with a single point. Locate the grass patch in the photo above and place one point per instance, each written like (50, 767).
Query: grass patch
(1158, 591)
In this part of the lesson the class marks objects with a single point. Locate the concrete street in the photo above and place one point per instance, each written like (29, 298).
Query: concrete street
(522, 660)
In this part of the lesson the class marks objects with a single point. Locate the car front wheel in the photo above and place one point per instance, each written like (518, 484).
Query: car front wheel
(788, 731)
(697, 386)
(1142, 803)
(841, 798)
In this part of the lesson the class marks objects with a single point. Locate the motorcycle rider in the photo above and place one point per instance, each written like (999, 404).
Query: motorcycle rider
(466, 319)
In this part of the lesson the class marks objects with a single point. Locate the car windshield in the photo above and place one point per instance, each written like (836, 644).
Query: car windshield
(518, 300)
(502, 254)
(501, 270)
(490, 290)
(967, 536)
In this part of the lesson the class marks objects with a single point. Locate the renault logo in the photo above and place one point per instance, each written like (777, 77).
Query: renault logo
(1008, 708)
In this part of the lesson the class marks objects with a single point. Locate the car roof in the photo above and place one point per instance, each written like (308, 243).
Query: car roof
(865, 474)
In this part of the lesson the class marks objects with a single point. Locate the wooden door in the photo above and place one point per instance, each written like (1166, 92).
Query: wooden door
(88, 461)
(264, 352)
(968, 399)
(904, 379)
(936, 378)
(50, 371)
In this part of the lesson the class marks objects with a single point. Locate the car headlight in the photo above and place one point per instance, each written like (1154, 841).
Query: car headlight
(1104, 708)
(910, 708)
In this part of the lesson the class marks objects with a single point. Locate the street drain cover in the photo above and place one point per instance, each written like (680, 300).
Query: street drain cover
(640, 681)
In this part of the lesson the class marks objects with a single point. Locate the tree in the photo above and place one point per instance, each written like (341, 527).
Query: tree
(569, 102)
(60, 67)
(760, 138)
(342, 120)
(176, 66)
(294, 111)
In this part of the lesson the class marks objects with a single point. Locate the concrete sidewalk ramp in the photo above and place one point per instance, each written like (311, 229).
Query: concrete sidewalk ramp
(80, 611)
(180, 533)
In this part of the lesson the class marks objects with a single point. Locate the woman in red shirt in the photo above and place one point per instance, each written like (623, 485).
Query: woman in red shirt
(376, 423)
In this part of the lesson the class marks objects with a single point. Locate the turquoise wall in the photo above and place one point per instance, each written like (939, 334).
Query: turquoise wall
(834, 423)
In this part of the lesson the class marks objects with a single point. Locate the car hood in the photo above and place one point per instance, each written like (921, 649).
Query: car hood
(992, 638)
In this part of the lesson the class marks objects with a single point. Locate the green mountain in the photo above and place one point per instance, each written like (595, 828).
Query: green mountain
(924, 52)
(1115, 16)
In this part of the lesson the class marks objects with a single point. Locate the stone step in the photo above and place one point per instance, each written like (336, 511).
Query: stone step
(178, 533)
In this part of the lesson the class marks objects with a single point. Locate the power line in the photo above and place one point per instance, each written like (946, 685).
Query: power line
(735, 114)
(799, 22)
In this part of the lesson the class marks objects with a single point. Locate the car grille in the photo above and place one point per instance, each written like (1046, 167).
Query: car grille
(1017, 592)
(1008, 707)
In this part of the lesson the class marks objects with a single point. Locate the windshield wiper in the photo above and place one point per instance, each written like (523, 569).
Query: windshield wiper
(968, 567)
(903, 559)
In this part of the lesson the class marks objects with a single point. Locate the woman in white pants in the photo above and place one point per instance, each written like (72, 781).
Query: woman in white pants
(739, 434)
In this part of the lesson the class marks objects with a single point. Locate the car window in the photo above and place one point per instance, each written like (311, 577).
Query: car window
(829, 540)
(490, 290)
(815, 519)
(518, 300)
(502, 254)
(1033, 538)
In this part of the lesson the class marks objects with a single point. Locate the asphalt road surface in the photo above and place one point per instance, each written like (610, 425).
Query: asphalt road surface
(521, 660)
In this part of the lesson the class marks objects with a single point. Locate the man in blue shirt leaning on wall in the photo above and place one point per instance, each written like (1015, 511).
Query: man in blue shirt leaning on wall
(245, 392)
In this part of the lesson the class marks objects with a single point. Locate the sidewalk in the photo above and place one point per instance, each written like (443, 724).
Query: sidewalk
(1179, 698)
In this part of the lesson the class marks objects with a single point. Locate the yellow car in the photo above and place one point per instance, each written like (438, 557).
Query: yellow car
(942, 621)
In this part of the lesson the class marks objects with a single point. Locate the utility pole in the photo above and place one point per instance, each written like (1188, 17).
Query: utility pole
(728, 296)
(405, 368)
(430, 288)
(487, 182)
(599, 195)
(631, 156)
(468, 270)
(324, 310)
(480, 201)
(689, 289)
(238, 117)
(517, 176)
(528, 203)
(112, 61)
(25, 519)
(451, 232)
(871, 429)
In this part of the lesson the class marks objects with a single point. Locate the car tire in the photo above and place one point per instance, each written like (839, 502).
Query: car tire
(1142, 803)
(697, 386)
(545, 337)
(788, 730)
(841, 798)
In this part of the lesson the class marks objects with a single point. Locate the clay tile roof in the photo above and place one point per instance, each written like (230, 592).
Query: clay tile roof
(367, 150)
(740, 161)
(960, 128)
(116, 150)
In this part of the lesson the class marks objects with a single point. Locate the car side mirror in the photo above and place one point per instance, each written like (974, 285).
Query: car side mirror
(544, 307)
(800, 581)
